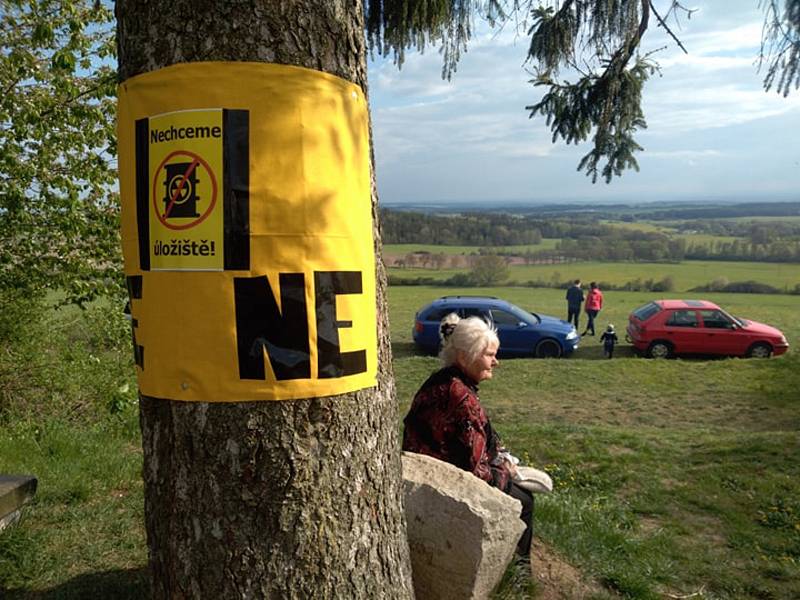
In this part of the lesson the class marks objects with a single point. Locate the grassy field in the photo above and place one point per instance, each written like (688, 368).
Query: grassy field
(784, 219)
(550, 243)
(672, 478)
(686, 275)
(403, 249)
(68, 414)
(706, 238)
(671, 229)
(647, 226)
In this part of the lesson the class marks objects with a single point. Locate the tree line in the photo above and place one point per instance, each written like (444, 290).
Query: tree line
(660, 248)
(472, 229)
(584, 238)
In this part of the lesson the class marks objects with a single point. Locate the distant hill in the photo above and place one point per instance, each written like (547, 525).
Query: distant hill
(633, 212)
(764, 232)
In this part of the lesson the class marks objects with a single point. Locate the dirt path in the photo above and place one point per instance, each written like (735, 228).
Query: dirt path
(558, 580)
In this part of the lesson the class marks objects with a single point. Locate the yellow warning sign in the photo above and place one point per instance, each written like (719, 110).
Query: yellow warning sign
(247, 232)
(185, 163)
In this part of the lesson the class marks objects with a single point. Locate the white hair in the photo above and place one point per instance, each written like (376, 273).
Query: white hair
(470, 336)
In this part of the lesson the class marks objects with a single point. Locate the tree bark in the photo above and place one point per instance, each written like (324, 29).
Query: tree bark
(289, 499)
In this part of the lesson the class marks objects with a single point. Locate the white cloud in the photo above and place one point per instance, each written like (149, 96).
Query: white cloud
(682, 107)
(692, 155)
(700, 64)
(742, 40)
(472, 138)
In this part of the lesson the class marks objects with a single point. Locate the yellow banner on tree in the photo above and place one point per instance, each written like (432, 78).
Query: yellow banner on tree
(247, 232)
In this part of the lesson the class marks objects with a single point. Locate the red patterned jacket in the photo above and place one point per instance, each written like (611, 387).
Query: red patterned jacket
(446, 421)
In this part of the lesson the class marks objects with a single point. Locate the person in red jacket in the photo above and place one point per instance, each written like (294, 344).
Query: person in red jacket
(446, 419)
(594, 302)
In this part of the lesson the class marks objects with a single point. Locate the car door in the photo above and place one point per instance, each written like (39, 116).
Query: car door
(682, 329)
(720, 335)
(516, 337)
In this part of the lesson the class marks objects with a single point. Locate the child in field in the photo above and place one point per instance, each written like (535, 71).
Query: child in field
(609, 338)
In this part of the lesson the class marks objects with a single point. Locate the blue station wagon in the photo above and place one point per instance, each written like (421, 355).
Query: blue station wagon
(521, 333)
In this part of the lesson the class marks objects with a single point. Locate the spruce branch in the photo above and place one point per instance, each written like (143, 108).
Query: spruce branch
(662, 23)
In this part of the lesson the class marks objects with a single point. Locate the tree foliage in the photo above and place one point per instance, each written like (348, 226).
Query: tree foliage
(393, 26)
(596, 43)
(780, 48)
(605, 100)
(488, 270)
(58, 204)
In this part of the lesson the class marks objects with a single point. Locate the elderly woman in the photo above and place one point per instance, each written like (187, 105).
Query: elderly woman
(446, 419)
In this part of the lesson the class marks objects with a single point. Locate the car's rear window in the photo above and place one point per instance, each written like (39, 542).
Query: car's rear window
(475, 311)
(645, 312)
(682, 318)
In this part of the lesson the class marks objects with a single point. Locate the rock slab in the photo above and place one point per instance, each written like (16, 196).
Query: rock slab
(15, 490)
(462, 532)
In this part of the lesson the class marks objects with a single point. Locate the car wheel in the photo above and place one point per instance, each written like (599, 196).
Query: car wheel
(548, 349)
(659, 350)
(760, 350)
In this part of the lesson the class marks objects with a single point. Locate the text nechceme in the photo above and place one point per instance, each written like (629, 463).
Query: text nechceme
(184, 133)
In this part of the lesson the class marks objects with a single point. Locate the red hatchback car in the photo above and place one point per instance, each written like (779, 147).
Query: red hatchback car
(664, 328)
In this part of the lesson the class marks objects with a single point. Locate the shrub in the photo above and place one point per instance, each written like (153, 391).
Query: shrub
(460, 280)
(750, 287)
(718, 284)
(738, 287)
(665, 285)
(19, 313)
(20, 329)
(395, 280)
(489, 269)
(66, 363)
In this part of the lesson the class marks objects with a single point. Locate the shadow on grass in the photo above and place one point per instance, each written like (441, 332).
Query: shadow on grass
(586, 352)
(406, 349)
(127, 584)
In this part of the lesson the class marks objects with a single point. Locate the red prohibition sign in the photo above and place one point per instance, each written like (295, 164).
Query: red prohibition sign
(195, 161)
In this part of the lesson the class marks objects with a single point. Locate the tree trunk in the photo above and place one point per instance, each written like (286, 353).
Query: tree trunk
(275, 499)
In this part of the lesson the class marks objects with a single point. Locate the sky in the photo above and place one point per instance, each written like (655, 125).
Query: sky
(713, 132)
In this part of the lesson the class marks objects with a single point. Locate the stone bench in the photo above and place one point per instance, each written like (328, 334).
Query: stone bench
(15, 490)
(462, 532)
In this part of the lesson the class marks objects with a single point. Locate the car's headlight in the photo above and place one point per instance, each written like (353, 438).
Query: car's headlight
(572, 335)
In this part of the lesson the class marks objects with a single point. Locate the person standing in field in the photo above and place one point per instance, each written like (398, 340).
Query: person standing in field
(594, 303)
(574, 301)
(609, 339)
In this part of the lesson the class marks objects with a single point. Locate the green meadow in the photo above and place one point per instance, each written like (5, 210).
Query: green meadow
(671, 229)
(685, 275)
(705, 238)
(403, 249)
(646, 226)
(672, 477)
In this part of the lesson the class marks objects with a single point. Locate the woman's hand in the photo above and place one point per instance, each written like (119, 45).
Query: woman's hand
(511, 468)
(507, 461)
